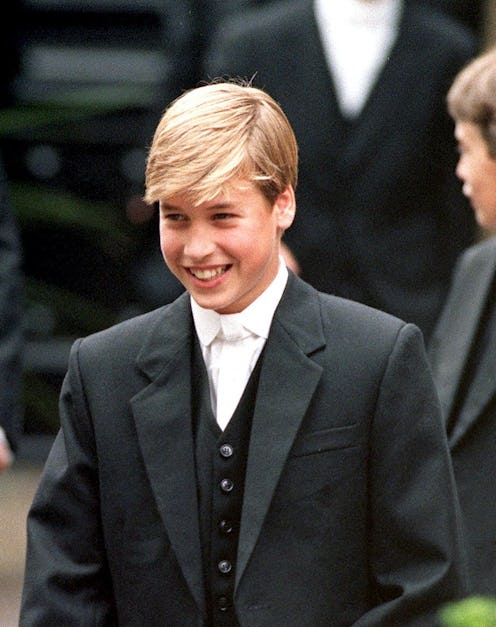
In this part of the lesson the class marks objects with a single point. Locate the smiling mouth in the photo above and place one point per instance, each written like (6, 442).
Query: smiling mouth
(207, 274)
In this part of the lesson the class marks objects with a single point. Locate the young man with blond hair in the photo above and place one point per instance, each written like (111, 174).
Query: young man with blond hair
(256, 452)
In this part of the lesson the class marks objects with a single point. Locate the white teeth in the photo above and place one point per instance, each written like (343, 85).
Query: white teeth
(206, 275)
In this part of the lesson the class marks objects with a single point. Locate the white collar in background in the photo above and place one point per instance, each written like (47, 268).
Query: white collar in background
(372, 12)
(256, 318)
(357, 37)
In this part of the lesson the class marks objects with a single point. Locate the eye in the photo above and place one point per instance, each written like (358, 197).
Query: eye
(173, 217)
(222, 216)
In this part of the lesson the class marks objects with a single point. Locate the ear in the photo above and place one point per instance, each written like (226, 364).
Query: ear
(285, 208)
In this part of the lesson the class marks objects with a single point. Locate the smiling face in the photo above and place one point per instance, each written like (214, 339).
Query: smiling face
(225, 251)
(477, 169)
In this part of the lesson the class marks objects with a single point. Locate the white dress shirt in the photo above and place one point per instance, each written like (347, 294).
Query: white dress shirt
(357, 36)
(232, 343)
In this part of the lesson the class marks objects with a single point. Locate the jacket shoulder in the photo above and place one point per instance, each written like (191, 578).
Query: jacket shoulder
(431, 24)
(357, 316)
(345, 320)
(482, 251)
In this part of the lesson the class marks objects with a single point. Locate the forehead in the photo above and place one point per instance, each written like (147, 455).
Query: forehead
(467, 131)
(230, 192)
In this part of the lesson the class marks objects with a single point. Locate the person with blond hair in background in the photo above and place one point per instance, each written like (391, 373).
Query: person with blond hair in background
(463, 346)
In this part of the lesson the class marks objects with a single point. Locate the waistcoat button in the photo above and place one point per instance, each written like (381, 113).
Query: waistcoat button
(223, 604)
(224, 566)
(226, 485)
(226, 526)
(226, 450)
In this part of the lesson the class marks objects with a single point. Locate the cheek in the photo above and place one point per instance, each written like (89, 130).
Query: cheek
(169, 243)
(261, 242)
(239, 243)
(485, 181)
(488, 201)
(484, 199)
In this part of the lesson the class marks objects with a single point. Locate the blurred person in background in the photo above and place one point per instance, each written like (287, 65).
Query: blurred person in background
(11, 336)
(462, 350)
(364, 83)
(469, 12)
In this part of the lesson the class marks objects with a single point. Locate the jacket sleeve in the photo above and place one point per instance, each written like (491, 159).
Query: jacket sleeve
(417, 552)
(66, 579)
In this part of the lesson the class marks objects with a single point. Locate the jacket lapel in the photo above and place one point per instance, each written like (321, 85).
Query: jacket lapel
(287, 383)
(480, 393)
(162, 412)
(385, 105)
(483, 386)
(452, 348)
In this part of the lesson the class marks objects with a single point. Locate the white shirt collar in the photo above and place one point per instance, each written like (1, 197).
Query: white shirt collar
(378, 13)
(256, 318)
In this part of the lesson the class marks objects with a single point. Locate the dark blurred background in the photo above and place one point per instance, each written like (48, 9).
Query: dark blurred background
(82, 90)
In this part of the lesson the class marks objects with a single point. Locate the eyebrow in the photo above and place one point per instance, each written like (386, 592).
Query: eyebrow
(216, 207)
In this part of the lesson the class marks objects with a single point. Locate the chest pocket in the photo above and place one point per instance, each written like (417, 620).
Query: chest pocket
(325, 440)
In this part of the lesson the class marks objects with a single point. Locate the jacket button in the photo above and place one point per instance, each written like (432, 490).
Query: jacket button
(226, 527)
(226, 450)
(224, 566)
(226, 485)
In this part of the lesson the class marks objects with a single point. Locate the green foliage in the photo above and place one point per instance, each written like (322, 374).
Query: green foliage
(476, 611)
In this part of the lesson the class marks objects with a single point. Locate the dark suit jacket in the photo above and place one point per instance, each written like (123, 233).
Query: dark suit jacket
(381, 218)
(349, 504)
(469, 12)
(472, 430)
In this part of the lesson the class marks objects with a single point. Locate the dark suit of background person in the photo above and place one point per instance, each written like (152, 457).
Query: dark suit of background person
(335, 519)
(381, 216)
(462, 352)
(11, 319)
(469, 12)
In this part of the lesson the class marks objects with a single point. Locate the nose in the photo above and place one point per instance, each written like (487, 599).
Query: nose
(199, 242)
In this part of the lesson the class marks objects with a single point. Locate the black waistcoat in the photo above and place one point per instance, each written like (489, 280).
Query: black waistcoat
(220, 471)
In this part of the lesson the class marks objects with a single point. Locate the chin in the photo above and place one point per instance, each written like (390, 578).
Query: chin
(484, 223)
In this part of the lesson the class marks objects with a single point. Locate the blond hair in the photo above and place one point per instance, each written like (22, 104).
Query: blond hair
(216, 132)
(472, 97)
